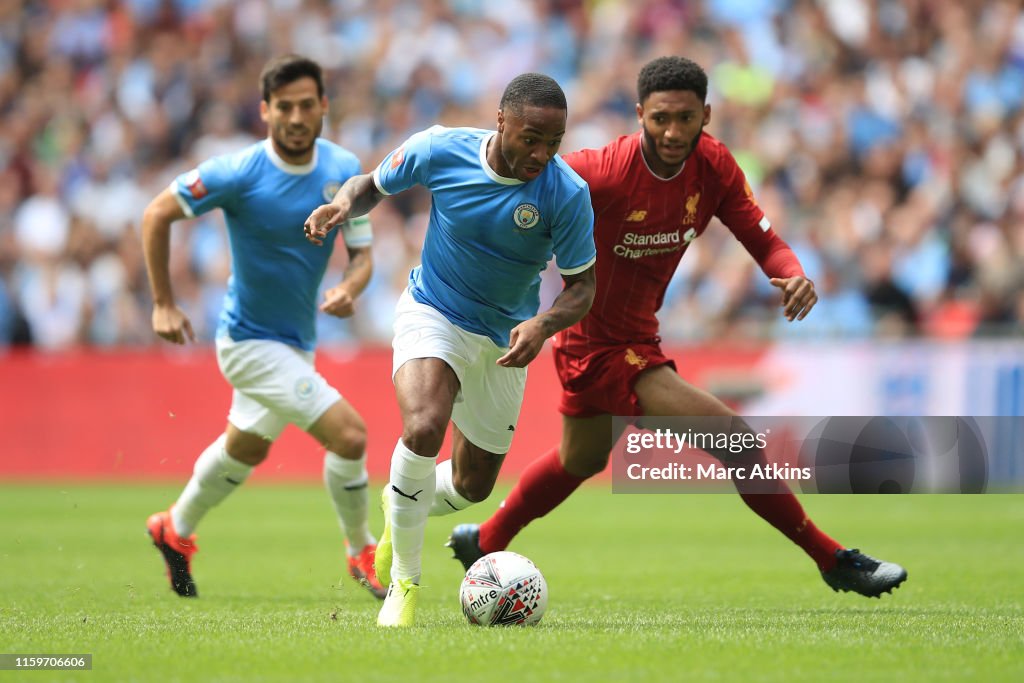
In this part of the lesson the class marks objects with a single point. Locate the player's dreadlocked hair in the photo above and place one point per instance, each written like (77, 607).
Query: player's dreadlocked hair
(288, 69)
(532, 90)
(672, 73)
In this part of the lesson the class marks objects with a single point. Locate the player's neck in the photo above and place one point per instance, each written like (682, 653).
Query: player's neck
(291, 158)
(495, 159)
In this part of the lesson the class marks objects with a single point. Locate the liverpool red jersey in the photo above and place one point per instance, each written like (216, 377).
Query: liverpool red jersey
(644, 223)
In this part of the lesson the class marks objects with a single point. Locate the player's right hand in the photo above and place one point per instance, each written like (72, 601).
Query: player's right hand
(798, 296)
(171, 323)
(525, 341)
(323, 219)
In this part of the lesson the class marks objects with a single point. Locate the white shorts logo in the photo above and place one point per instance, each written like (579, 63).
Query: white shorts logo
(526, 216)
(305, 388)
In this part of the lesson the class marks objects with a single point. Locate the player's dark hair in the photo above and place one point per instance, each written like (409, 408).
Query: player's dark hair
(287, 69)
(671, 73)
(532, 90)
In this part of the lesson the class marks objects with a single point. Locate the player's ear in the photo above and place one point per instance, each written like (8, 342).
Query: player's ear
(640, 113)
(707, 114)
(501, 121)
(264, 111)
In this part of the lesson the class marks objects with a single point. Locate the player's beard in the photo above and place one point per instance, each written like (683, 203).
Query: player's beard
(291, 152)
(652, 145)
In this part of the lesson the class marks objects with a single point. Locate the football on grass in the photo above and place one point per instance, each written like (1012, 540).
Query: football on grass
(503, 589)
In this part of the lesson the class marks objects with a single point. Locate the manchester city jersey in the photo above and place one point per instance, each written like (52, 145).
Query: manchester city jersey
(276, 273)
(489, 237)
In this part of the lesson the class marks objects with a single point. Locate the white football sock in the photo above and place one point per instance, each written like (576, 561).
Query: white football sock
(215, 475)
(346, 482)
(411, 492)
(446, 499)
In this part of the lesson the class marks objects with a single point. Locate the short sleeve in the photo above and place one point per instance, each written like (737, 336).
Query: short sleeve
(574, 235)
(208, 186)
(405, 166)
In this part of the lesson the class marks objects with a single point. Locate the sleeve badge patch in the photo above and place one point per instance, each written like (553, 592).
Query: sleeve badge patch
(194, 184)
(398, 157)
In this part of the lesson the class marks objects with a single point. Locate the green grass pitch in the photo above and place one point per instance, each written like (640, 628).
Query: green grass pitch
(642, 588)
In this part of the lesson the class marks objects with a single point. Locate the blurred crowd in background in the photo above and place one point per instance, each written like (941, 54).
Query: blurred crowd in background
(884, 139)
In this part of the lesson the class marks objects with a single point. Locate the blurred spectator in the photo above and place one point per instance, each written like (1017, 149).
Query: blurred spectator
(884, 138)
(894, 310)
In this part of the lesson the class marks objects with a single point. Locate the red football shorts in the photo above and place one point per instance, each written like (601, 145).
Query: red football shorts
(599, 379)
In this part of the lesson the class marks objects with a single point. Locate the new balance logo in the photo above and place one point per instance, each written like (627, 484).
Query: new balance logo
(636, 216)
(403, 494)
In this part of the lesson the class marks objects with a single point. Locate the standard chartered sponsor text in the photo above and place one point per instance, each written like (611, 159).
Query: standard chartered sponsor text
(638, 245)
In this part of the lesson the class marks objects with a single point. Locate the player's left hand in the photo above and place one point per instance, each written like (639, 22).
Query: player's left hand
(524, 341)
(338, 302)
(323, 219)
(798, 296)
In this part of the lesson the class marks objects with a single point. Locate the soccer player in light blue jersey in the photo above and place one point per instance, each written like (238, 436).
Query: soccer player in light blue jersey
(468, 324)
(266, 333)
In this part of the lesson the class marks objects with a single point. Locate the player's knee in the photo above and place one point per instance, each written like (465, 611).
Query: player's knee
(585, 466)
(475, 489)
(248, 451)
(592, 469)
(349, 441)
(424, 435)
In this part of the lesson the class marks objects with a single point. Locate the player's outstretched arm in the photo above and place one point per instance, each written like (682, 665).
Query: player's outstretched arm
(527, 338)
(798, 296)
(169, 321)
(356, 197)
(340, 300)
(780, 264)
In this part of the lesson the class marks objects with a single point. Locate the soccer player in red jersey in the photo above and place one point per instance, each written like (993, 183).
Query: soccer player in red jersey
(654, 192)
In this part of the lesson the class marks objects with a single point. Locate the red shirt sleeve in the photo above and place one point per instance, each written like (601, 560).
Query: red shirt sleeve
(741, 214)
(595, 166)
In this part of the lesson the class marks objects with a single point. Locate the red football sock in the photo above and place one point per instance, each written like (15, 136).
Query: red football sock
(543, 485)
(783, 511)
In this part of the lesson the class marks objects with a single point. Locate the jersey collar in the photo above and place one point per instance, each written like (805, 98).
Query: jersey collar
(276, 159)
(490, 171)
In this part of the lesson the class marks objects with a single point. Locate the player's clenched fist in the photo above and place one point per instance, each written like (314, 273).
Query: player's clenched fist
(171, 323)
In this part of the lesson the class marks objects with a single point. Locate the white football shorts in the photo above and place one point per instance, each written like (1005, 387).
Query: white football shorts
(487, 406)
(275, 384)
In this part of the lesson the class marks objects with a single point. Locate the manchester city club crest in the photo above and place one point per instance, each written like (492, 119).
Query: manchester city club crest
(330, 189)
(526, 216)
(305, 388)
